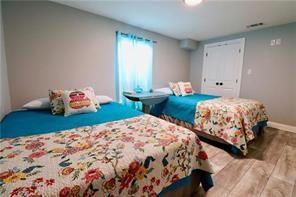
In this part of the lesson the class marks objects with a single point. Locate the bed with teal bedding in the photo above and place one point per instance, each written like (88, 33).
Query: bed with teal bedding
(31, 122)
(181, 107)
(103, 153)
(233, 120)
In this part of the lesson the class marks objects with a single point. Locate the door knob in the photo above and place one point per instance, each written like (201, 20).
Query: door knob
(221, 83)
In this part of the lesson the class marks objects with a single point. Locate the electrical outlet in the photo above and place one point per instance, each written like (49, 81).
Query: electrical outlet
(272, 42)
(278, 41)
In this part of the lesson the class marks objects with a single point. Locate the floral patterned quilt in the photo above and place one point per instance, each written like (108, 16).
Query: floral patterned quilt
(231, 119)
(138, 156)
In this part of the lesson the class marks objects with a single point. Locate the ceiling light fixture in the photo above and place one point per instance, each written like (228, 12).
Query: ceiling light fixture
(192, 2)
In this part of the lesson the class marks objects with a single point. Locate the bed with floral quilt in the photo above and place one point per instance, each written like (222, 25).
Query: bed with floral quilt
(137, 156)
(235, 121)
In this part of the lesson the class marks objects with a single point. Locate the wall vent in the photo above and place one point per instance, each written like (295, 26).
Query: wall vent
(254, 25)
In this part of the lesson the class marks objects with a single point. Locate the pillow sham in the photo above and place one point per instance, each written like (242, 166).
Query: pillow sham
(92, 96)
(185, 88)
(175, 88)
(102, 99)
(77, 102)
(56, 101)
(40, 103)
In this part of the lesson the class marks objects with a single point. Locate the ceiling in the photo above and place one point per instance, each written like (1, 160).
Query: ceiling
(208, 20)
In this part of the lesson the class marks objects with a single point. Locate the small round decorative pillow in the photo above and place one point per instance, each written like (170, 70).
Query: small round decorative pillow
(77, 102)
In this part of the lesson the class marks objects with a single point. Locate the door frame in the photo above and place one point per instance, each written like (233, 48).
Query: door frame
(241, 41)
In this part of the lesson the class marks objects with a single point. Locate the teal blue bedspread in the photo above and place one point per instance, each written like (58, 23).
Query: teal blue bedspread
(180, 107)
(31, 122)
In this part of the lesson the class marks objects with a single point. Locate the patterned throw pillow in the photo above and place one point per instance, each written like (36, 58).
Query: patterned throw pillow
(56, 101)
(77, 102)
(93, 96)
(185, 88)
(175, 88)
(57, 104)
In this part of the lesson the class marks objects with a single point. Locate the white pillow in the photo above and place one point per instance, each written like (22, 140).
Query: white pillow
(78, 102)
(40, 103)
(102, 99)
(166, 90)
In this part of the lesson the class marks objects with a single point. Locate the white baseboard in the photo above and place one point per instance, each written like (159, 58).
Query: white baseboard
(281, 126)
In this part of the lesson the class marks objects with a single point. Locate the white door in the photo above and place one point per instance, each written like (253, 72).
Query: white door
(222, 68)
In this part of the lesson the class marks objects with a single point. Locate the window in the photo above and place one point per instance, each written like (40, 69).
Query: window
(134, 62)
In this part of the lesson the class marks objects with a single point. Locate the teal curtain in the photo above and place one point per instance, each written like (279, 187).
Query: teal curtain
(134, 63)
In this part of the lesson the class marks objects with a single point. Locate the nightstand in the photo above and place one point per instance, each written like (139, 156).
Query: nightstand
(147, 98)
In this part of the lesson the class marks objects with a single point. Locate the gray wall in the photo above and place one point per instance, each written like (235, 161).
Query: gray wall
(273, 78)
(53, 46)
(4, 88)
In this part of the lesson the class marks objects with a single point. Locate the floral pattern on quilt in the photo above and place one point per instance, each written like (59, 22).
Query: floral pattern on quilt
(138, 156)
(231, 119)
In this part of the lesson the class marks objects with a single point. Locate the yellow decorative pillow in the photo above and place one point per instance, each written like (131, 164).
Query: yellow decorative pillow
(77, 102)
(175, 88)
